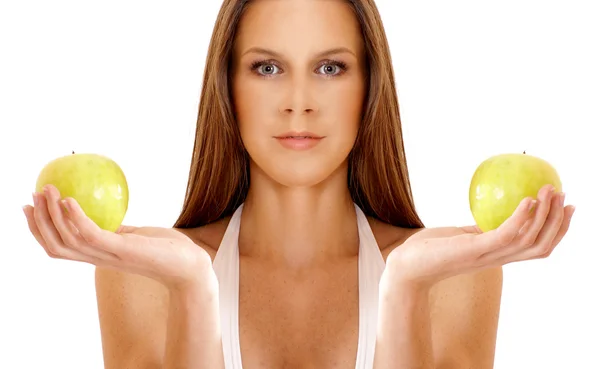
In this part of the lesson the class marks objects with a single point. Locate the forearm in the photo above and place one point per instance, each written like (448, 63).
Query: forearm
(404, 327)
(194, 329)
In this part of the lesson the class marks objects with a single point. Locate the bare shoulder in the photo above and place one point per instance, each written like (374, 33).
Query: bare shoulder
(208, 236)
(480, 284)
(389, 237)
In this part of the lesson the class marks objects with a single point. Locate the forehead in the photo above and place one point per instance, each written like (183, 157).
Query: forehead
(293, 26)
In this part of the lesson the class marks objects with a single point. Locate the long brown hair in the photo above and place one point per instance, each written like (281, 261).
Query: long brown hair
(377, 173)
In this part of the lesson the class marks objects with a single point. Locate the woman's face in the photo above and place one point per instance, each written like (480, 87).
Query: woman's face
(298, 71)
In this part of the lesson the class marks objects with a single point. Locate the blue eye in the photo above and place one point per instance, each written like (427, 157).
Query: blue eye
(268, 69)
(330, 69)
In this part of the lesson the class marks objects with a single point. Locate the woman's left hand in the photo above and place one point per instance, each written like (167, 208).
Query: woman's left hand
(432, 255)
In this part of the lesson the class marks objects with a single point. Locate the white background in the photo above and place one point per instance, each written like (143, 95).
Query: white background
(475, 78)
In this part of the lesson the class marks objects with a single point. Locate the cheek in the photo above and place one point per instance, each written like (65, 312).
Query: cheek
(343, 109)
(254, 108)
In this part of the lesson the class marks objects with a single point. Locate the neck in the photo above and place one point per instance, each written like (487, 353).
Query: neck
(299, 227)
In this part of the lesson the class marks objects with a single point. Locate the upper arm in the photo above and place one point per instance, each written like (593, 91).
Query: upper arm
(464, 311)
(464, 319)
(133, 315)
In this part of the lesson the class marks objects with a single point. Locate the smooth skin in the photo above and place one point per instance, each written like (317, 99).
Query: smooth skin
(441, 290)
(431, 261)
(177, 272)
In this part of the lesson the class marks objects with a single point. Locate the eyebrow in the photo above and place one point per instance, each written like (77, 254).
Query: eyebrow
(335, 50)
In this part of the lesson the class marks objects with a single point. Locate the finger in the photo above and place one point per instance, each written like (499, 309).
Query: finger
(528, 232)
(52, 240)
(550, 229)
(499, 254)
(53, 244)
(94, 236)
(503, 235)
(527, 224)
(33, 228)
(544, 249)
(521, 246)
(68, 232)
(566, 224)
(545, 196)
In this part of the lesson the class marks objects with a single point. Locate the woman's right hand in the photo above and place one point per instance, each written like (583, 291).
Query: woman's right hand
(163, 254)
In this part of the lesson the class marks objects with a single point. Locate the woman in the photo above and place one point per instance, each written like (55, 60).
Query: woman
(299, 206)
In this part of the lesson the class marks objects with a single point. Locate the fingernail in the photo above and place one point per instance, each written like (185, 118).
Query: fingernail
(562, 199)
(532, 204)
(34, 196)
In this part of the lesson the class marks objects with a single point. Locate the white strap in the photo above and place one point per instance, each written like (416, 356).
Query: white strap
(227, 270)
(370, 268)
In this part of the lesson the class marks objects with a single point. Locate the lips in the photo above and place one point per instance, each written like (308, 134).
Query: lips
(299, 135)
(299, 140)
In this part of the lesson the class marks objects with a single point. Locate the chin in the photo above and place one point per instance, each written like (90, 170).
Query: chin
(300, 173)
(300, 168)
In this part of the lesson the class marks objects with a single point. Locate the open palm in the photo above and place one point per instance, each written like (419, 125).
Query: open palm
(533, 231)
(163, 254)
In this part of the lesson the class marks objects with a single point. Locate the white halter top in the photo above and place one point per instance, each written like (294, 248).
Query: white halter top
(370, 268)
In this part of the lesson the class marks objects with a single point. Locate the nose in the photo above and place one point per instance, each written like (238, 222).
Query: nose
(291, 110)
(298, 97)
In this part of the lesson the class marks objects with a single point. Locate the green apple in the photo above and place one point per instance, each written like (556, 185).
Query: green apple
(95, 181)
(502, 181)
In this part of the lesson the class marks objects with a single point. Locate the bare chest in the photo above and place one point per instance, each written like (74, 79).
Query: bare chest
(298, 321)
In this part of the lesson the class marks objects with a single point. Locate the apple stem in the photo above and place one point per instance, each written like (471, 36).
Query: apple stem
(72, 152)
(523, 152)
